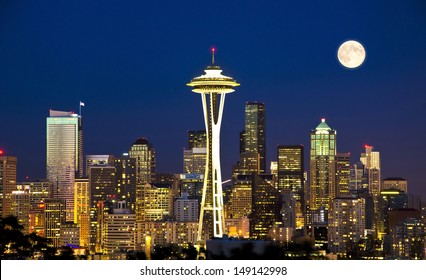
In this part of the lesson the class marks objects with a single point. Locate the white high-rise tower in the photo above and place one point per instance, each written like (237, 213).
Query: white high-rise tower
(64, 155)
(213, 86)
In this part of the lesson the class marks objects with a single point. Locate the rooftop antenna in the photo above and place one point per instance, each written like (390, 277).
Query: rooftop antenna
(213, 50)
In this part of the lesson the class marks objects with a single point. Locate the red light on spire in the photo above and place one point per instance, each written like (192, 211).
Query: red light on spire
(1, 152)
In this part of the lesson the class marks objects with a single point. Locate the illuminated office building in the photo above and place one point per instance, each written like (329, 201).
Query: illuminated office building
(156, 203)
(102, 186)
(371, 161)
(70, 235)
(342, 174)
(322, 167)
(255, 133)
(240, 204)
(7, 182)
(54, 211)
(20, 208)
(194, 160)
(213, 87)
(290, 177)
(144, 154)
(64, 155)
(266, 206)
(82, 205)
(125, 180)
(408, 239)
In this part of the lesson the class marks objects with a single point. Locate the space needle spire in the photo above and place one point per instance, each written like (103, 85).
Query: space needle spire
(213, 87)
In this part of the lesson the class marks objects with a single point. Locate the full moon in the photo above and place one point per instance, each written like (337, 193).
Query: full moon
(351, 54)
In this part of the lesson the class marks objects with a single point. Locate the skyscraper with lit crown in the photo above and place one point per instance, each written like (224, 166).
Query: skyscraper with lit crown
(322, 167)
(213, 87)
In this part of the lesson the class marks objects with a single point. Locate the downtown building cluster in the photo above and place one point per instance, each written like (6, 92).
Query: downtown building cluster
(106, 206)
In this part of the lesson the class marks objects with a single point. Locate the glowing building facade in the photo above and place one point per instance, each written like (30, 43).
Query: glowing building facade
(322, 167)
(290, 171)
(64, 155)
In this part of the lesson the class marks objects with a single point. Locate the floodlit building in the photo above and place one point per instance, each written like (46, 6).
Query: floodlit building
(64, 155)
(290, 177)
(322, 167)
(20, 208)
(54, 211)
(144, 154)
(343, 171)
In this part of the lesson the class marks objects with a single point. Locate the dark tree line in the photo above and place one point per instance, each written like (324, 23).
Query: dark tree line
(15, 245)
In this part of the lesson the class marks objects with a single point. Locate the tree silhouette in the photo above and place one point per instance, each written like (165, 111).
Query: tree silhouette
(18, 246)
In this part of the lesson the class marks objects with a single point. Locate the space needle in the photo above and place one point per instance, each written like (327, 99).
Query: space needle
(213, 87)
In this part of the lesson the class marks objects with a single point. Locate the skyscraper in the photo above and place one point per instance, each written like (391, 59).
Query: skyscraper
(54, 211)
(144, 154)
(213, 87)
(266, 206)
(7, 182)
(371, 161)
(125, 177)
(82, 205)
(255, 133)
(322, 167)
(291, 177)
(343, 172)
(102, 186)
(64, 155)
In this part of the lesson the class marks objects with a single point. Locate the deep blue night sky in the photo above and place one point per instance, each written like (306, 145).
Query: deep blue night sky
(129, 61)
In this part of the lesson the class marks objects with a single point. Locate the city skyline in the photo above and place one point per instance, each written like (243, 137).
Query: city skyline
(133, 82)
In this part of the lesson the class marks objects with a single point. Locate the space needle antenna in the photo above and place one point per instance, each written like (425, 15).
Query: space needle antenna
(213, 49)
